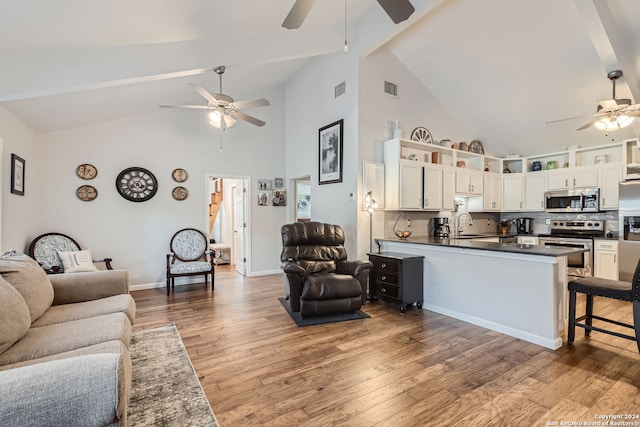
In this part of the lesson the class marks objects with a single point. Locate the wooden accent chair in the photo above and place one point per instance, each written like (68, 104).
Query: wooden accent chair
(44, 249)
(597, 287)
(190, 256)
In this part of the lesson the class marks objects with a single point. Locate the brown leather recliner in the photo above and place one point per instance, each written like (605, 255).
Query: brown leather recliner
(319, 279)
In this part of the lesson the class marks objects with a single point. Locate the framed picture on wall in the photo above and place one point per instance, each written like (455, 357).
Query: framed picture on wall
(278, 182)
(17, 175)
(280, 198)
(264, 184)
(263, 198)
(330, 153)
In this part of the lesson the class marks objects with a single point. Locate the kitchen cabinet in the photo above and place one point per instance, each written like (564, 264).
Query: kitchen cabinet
(585, 176)
(558, 179)
(469, 182)
(448, 188)
(512, 185)
(492, 192)
(605, 259)
(534, 191)
(397, 277)
(409, 195)
(432, 198)
(610, 175)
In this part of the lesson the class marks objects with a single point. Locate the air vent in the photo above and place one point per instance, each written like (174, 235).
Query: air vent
(340, 89)
(391, 88)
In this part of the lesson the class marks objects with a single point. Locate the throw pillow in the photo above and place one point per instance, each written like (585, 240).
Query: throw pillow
(73, 262)
(26, 275)
(15, 319)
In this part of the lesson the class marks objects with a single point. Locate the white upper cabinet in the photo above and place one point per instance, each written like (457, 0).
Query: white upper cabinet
(512, 194)
(534, 191)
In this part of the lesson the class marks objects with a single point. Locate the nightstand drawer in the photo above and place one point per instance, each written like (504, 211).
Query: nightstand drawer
(383, 276)
(387, 290)
(384, 264)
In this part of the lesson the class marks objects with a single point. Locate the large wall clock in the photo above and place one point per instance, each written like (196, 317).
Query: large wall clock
(136, 184)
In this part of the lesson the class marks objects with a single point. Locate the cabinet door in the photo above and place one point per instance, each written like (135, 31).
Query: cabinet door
(432, 187)
(610, 177)
(534, 191)
(410, 186)
(476, 182)
(605, 264)
(558, 179)
(585, 176)
(512, 192)
(492, 200)
(448, 188)
(462, 181)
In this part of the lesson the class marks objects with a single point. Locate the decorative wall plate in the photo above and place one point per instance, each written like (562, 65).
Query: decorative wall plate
(87, 193)
(421, 134)
(180, 193)
(86, 171)
(476, 147)
(136, 184)
(179, 175)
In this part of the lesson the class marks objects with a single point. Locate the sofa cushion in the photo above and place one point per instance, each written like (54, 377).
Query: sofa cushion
(83, 310)
(76, 261)
(61, 337)
(26, 275)
(14, 315)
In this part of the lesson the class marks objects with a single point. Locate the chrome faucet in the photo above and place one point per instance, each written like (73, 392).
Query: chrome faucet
(456, 222)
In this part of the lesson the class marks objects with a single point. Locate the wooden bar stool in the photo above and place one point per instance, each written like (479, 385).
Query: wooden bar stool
(597, 287)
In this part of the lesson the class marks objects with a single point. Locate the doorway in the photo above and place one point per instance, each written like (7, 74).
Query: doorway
(227, 220)
(302, 197)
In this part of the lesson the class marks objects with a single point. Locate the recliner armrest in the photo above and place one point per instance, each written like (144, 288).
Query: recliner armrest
(353, 268)
(293, 268)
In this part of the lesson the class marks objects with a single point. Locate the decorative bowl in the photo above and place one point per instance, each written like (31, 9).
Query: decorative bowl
(402, 234)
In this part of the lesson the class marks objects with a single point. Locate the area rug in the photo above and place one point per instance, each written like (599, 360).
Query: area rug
(165, 390)
(319, 320)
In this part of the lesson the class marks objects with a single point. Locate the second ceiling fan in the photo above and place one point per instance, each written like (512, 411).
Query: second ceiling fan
(398, 11)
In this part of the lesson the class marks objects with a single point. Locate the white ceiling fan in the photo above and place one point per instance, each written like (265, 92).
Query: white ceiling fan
(612, 114)
(224, 112)
(398, 11)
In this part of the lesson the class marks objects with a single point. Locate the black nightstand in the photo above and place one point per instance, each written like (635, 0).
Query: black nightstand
(397, 277)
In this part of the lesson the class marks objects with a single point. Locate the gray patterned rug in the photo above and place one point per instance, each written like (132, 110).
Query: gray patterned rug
(165, 390)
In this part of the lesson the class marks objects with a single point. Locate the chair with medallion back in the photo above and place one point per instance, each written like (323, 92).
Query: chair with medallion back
(46, 248)
(189, 256)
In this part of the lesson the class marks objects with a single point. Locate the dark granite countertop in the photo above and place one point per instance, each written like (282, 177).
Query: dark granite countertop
(467, 243)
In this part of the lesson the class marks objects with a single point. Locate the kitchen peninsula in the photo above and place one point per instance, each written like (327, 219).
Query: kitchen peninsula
(518, 290)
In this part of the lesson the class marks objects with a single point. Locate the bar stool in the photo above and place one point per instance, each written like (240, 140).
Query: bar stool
(595, 286)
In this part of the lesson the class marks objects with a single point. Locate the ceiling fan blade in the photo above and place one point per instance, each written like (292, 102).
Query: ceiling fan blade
(247, 118)
(578, 117)
(237, 105)
(632, 113)
(204, 93)
(398, 10)
(197, 107)
(588, 125)
(298, 14)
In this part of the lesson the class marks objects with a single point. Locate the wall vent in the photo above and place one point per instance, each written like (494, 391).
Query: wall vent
(340, 89)
(391, 88)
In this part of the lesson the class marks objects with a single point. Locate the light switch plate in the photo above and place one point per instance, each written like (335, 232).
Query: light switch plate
(547, 221)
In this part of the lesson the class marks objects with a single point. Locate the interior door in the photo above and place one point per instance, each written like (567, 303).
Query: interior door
(240, 227)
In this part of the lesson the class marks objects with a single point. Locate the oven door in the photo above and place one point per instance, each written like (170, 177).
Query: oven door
(579, 264)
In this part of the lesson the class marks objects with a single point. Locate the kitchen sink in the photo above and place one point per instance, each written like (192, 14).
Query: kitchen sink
(472, 236)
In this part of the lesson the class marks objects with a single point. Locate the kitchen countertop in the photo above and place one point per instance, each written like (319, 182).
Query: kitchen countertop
(472, 243)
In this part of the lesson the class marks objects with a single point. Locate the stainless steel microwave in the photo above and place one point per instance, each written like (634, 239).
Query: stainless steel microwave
(574, 200)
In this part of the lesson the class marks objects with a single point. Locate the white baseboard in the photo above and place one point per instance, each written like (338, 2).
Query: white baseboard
(264, 272)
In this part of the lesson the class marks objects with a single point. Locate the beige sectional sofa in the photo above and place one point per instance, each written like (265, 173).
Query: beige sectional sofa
(64, 345)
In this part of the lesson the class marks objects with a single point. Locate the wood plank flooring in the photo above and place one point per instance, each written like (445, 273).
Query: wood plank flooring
(420, 368)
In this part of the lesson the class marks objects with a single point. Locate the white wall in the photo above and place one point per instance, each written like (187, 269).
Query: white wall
(136, 235)
(415, 106)
(20, 214)
(310, 105)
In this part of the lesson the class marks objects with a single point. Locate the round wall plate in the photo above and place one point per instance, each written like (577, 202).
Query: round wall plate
(180, 193)
(86, 171)
(179, 175)
(87, 193)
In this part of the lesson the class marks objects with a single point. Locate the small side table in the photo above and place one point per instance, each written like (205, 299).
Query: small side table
(221, 253)
(397, 277)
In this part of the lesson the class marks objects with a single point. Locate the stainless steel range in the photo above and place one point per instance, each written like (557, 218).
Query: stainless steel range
(575, 234)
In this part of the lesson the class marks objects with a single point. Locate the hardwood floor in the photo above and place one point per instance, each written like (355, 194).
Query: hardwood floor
(419, 368)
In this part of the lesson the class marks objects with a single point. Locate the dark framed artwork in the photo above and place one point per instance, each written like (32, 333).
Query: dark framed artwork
(330, 153)
(17, 175)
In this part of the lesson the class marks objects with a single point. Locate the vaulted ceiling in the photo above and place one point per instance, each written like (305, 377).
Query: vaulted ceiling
(503, 68)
